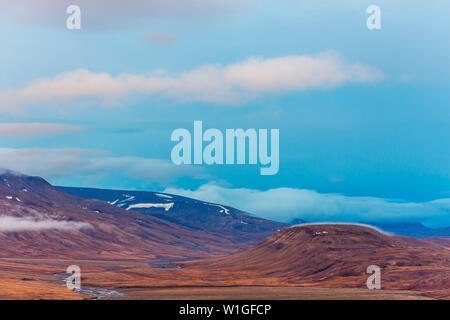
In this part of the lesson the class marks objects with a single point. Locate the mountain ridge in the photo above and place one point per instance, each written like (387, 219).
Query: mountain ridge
(217, 219)
(337, 255)
(40, 220)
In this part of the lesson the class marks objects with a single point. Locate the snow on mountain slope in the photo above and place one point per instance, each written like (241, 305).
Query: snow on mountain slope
(166, 206)
(38, 220)
(212, 218)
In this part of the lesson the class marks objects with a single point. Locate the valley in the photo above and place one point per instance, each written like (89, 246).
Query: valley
(145, 245)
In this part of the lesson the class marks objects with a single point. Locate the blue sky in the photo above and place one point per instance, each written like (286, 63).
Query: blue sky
(384, 137)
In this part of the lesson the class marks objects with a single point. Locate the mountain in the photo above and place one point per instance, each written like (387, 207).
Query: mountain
(39, 220)
(337, 256)
(329, 261)
(402, 228)
(142, 241)
(416, 230)
(209, 218)
(220, 219)
(298, 221)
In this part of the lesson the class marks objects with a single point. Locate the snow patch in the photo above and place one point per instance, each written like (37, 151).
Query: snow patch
(163, 195)
(120, 203)
(128, 198)
(166, 206)
(224, 210)
(113, 202)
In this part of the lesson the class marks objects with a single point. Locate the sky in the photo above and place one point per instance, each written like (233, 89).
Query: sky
(363, 114)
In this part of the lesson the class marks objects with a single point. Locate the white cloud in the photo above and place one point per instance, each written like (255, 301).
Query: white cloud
(339, 223)
(229, 84)
(16, 224)
(286, 204)
(18, 128)
(55, 163)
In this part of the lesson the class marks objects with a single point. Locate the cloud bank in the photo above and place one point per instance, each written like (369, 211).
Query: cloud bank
(15, 224)
(25, 129)
(218, 84)
(286, 204)
(54, 163)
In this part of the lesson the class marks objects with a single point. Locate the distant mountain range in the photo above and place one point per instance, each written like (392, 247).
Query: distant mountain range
(131, 224)
(416, 230)
(206, 217)
(135, 241)
(220, 219)
(39, 220)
